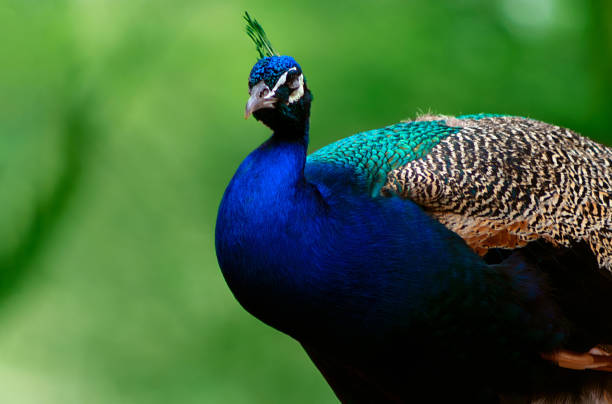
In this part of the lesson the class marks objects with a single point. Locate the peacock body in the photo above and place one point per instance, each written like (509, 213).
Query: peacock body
(428, 261)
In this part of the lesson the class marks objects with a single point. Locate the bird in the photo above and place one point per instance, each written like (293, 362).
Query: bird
(441, 259)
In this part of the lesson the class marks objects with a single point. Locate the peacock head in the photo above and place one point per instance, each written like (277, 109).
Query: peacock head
(279, 96)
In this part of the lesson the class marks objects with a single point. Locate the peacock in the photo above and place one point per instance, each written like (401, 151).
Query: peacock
(442, 259)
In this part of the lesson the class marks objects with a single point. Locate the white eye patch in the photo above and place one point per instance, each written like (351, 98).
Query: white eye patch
(297, 85)
(282, 79)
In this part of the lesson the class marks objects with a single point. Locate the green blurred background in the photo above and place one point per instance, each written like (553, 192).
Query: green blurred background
(121, 123)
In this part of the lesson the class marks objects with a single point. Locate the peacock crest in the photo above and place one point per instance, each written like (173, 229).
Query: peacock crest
(256, 32)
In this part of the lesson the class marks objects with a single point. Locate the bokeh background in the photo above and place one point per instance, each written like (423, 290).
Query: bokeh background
(121, 123)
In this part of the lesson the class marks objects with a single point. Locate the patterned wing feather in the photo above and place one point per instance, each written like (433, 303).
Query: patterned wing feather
(500, 182)
(497, 181)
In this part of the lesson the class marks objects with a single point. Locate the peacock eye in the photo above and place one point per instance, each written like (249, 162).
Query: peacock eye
(264, 92)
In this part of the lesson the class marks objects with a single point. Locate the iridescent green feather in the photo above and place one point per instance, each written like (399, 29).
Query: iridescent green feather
(259, 37)
(372, 155)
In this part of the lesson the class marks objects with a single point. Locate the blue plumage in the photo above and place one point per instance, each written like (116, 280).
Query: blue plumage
(388, 302)
(269, 69)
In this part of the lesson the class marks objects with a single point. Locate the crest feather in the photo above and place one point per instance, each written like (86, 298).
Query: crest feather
(259, 37)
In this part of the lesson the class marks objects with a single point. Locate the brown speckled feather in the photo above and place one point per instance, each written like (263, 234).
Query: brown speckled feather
(501, 182)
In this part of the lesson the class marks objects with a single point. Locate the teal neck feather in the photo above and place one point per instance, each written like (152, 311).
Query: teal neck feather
(371, 155)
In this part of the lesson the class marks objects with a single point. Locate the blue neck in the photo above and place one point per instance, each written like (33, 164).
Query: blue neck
(275, 173)
(267, 210)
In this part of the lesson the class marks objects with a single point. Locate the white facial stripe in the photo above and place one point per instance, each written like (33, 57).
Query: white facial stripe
(299, 92)
(282, 79)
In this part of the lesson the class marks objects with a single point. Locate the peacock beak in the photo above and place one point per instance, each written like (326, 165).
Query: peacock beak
(261, 97)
